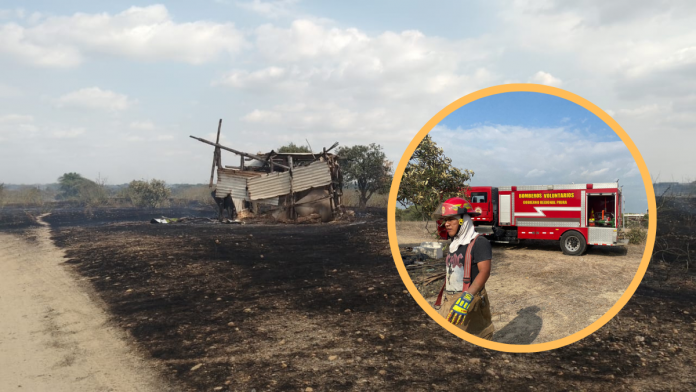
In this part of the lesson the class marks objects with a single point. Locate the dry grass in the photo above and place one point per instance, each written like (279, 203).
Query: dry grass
(415, 232)
(351, 198)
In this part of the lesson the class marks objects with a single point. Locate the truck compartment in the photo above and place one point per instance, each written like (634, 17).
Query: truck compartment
(601, 210)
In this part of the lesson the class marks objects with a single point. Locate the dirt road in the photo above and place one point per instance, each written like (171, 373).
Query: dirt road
(54, 334)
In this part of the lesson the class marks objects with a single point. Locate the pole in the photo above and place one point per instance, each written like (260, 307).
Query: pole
(216, 157)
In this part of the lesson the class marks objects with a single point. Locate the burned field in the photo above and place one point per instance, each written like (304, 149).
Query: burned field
(321, 306)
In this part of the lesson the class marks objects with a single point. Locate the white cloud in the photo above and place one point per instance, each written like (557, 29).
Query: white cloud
(16, 126)
(595, 173)
(142, 125)
(514, 155)
(69, 133)
(262, 78)
(546, 78)
(269, 9)
(367, 87)
(141, 33)
(95, 98)
(535, 173)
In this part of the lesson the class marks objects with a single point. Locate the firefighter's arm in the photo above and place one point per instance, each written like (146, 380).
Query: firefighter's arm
(484, 268)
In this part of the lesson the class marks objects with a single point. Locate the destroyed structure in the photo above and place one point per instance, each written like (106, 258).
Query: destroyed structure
(296, 186)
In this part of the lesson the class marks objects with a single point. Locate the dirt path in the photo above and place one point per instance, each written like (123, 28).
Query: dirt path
(54, 336)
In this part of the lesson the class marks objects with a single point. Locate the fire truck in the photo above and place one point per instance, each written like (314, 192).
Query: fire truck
(577, 215)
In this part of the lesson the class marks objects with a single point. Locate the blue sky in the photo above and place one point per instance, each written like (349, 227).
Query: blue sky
(525, 138)
(115, 88)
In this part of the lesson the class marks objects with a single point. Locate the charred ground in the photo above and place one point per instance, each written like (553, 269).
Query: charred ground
(324, 308)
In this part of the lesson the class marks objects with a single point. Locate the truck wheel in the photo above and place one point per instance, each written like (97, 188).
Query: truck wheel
(573, 243)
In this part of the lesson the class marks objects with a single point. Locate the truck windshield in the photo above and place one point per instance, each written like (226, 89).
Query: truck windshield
(479, 197)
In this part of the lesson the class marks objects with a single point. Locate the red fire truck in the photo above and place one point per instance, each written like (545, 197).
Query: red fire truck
(576, 214)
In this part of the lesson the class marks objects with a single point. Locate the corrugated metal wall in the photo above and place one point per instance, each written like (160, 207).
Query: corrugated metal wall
(313, 176)
(233, 182)
(277, 184)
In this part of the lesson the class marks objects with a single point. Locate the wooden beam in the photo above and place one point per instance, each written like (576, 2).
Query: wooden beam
(252, 156)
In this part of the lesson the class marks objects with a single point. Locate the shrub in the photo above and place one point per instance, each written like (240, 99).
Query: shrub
(636, 235)
(92, 194)
(408, 214)
(151, 194)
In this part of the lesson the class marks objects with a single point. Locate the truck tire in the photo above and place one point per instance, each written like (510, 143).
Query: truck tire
(573, 243)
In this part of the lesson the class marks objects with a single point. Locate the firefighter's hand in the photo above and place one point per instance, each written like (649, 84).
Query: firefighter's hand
(460, 309)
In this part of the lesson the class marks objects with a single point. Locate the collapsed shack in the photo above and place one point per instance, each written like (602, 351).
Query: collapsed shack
(288, 186)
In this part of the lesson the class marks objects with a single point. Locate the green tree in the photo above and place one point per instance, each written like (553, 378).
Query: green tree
(2, 194)
(368, 167)
(69, 184)
(292, 148)
(151, 194)
(430, 178)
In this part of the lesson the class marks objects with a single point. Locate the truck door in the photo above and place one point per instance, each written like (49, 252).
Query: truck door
(481, 202)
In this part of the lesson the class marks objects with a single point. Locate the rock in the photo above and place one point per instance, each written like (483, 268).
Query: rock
(474, 361)
(282, 342)
(309, 389)
(247, 310)
(383, 372)
(639, 339)
(360, 340)
(333, 357)
(196, 367)
(231, 324)
(217, 389)
(381, 336)
(347, 311)
(490, 372)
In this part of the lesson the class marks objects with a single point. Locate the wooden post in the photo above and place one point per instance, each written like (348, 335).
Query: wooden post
(292, 194)
(216, 156)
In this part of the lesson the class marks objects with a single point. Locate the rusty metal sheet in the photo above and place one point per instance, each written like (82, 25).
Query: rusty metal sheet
(277, 184)
(233, 182)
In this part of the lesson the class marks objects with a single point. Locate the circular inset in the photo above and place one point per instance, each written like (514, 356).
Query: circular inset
(570, 244)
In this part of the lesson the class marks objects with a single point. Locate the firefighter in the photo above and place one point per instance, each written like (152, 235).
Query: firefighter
(465, 302)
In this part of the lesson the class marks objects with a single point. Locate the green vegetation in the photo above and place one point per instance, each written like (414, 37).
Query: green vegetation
(86, 192)
(430, 179)
(368, 168)
(292, 148)
(637, 235)
(408, 214)
(151, 194)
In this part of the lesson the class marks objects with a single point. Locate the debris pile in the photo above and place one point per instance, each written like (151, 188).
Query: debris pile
(297, 187)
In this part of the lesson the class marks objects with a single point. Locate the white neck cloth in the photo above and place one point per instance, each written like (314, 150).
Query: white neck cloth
(465, 234)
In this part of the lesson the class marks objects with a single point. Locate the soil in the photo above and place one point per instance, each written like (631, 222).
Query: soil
(537, 293)
(325, 309)
(55, 335)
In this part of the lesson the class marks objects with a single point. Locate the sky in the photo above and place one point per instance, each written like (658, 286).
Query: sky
(115, 89)
(525, 138)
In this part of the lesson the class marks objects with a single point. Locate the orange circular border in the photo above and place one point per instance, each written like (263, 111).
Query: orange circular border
(506, 88)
